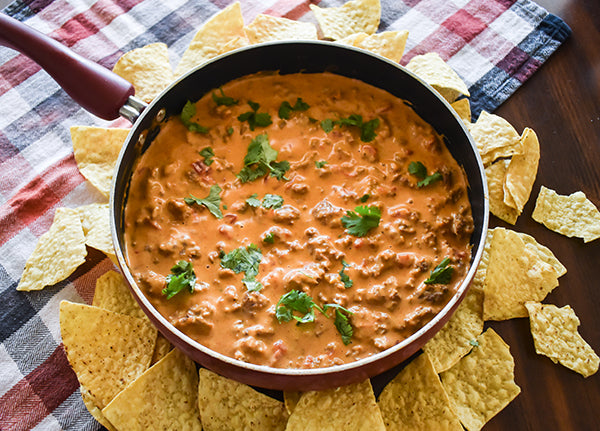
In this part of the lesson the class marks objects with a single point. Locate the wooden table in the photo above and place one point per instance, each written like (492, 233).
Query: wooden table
(561, 102)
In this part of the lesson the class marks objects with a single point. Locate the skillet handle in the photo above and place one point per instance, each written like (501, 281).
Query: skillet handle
(91, 85)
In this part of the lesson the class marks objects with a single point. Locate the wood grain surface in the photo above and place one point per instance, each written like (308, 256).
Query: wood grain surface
(561, 102)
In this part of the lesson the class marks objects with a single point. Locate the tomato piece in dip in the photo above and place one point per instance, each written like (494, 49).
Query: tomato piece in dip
(298, 221)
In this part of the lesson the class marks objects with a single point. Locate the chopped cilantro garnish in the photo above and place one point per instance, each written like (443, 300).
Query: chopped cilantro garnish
(224, 100)
(272, 201)
(260, 159)
(208, 154)
(182, 275)
(255, 118)
(345, 278)
(269, 238)
(212, 201)
(188, 111)
(327, 125)
(246, 260)
(320, 163)
(419, 170)
(441, 274)
(360, 221)
(298, 301)
(252, 201)
(474, 343)
(342, 323)
(365, 198)
(230, 130)
(285, 109)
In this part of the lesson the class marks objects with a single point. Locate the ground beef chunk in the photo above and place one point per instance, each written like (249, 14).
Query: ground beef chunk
(200, 316)
(327, 213)
(286, 214)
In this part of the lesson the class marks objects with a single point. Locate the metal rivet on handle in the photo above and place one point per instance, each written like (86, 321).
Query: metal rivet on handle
(160, 117)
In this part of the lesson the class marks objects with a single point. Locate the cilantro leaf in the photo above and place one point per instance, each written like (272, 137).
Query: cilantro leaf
(327, 125)
(320, 164)
(252, 201)
(212, 201)
(224, 100)
(188, 111)
(230, 130)
(441, 274)
(474, 343)
(364, 198)
(360, 221)
(246, 260)
(182, 276)
(208, 154)
(345, 278)
(285, 109)
(269, 238)
(367, 130)
(272, 201)
(342, 322)
(296, 301)
(255, 118)
(260, 159)
(419, 170)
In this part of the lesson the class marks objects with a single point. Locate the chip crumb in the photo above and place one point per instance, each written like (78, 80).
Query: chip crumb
(432, 69)
(416, 400)
(573, 215)
(355, 16)
(229, 405)
(57, 254)
(482, 383)
(349, 408)
(555, 335)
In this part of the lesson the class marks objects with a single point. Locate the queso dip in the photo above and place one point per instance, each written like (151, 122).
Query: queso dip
(298, 221)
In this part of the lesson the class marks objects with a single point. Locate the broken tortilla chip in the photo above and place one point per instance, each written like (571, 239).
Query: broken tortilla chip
(495, 175)
(482, 383)
(521, 171)
(515, 275)
(95, 220)
(495, 138)
(555, 335)
(214, 34)
(266, 28)
(164, 397)
(147, 68)
(107, 350)
(433, 70)
(228, 405)
(388, 44)
(96, 151)
(353, 17)
(57, 254)
(452, 342)
(351, 407)
(416, 400)
(544, 253)
(572, 216)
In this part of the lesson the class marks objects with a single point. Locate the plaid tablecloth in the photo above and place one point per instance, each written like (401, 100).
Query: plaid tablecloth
(495, 45)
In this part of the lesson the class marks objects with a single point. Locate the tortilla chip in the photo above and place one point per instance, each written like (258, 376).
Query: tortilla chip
(482, 383)
(416, 400)
(495, 137)
(162, 398)
(351, 407)
(95, 220)
(228, 405)
(147, 68)
(433, 70)
(481, 272)
(495, 175)
(290, 400)
(463, 109)
(453, 341)
(96, 151)
(210, 39)
(543, 253)
(113, 294)
(94, 410)
(514, 276)
(555, 335)
(388, 44)
(266, 28)
(238, 42)
(353, 17)
(521, 171)
(107, 350)
(161, 349)
(572, 216)
(57, 254)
